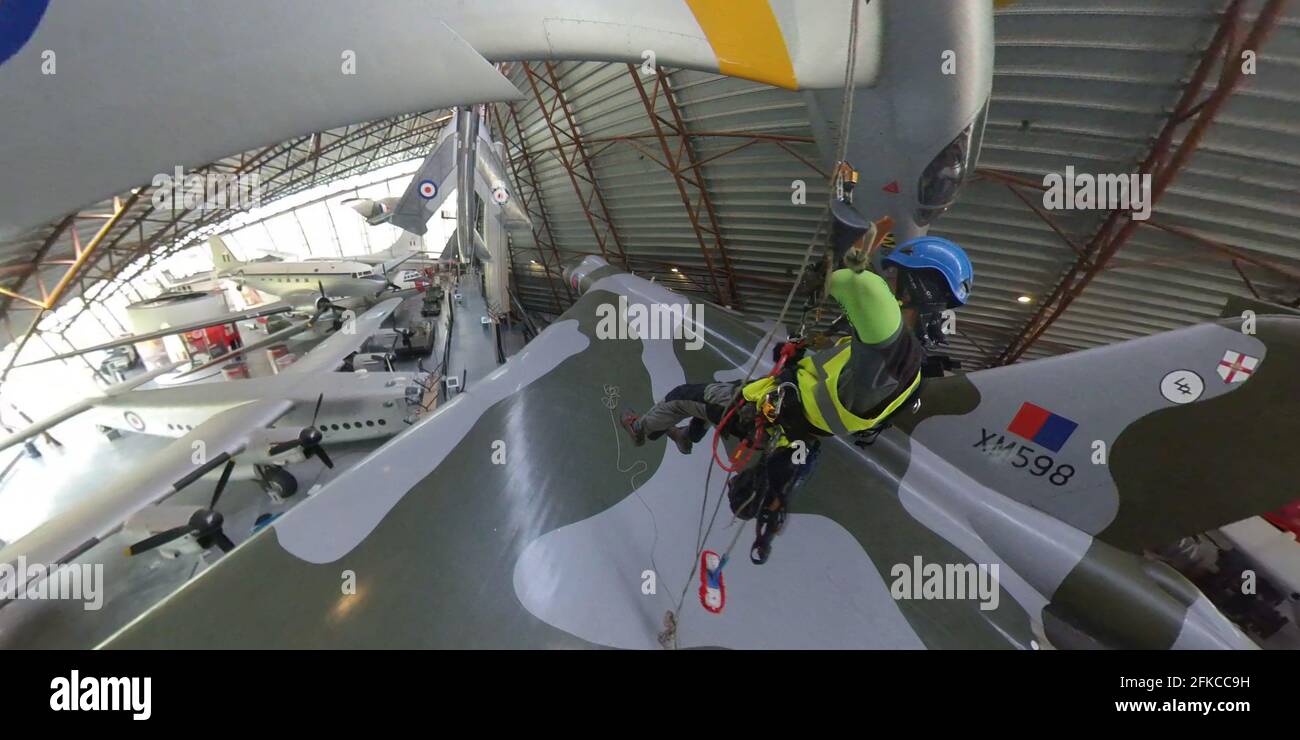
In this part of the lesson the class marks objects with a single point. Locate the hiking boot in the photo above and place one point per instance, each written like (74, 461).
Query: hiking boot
(698, 429)
(633, 427)
(682, 436)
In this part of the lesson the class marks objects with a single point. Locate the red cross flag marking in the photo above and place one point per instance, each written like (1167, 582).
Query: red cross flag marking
(1236, 367)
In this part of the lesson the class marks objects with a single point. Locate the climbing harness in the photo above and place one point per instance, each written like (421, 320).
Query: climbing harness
(749, 443)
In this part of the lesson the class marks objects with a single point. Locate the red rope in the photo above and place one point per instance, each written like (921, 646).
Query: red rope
(737, 462)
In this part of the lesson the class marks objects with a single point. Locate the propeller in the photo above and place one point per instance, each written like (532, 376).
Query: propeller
(309, 439)
(324, 304)
(204, 524)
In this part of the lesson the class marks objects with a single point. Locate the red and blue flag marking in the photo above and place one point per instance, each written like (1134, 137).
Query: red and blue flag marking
(1042, 427)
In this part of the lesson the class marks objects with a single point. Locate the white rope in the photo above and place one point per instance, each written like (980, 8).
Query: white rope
(611, 401)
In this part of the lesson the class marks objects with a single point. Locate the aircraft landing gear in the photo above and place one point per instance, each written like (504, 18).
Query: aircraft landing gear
(277, 482)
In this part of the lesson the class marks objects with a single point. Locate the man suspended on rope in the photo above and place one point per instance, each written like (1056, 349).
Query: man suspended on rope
(852, 386)
(849, 387)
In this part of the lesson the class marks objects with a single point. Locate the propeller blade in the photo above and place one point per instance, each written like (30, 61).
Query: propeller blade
(316, 413)
(324, 457)
(221, 483)
(281, 448)
(222, 541)
(162, 538)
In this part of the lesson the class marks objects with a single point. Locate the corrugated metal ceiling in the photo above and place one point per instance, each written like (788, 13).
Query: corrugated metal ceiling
(1083, 83)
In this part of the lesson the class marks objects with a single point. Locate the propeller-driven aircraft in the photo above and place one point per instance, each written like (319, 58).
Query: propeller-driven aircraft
(311, 284)
(262, 424)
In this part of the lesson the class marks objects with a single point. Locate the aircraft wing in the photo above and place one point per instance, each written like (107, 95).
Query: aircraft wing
(252, 313)
(492, 174)
(102, 512)
(300, 300)
(580, 540)
(265, 341)
(439, 175)
(329, 354)
(341, 68)
(387, 265)
(428, 189)
(83, 405)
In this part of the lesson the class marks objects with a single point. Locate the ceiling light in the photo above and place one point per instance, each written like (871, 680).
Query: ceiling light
(1025, 299)
(676, 270)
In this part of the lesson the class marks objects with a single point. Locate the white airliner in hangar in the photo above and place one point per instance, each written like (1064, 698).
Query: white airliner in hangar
(305, 285)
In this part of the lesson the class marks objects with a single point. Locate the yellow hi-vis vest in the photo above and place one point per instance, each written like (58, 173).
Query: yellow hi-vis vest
(818, 379)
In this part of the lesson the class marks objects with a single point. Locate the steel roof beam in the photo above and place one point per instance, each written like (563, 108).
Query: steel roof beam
(1158, 163)
(574, 156)
(673, 162)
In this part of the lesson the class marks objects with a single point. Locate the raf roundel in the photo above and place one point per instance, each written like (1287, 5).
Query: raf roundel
(134, 420)
(500, 195)
(428, 189)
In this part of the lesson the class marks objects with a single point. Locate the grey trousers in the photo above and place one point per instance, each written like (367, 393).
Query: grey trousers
(704, 401)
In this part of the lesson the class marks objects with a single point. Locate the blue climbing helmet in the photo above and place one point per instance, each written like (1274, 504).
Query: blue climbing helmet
(941, 255)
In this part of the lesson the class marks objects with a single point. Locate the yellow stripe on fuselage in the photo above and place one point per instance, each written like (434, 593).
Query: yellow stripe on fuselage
(747, 39)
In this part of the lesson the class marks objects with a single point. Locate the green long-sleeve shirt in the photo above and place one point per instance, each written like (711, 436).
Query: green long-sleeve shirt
(882, 357)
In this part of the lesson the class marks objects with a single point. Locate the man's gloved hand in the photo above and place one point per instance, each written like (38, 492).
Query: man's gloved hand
(857, 258)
